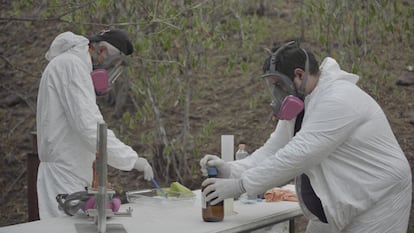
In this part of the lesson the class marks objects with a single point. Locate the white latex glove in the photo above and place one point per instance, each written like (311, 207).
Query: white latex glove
(142, 165)
(223, 169)
(220, 189)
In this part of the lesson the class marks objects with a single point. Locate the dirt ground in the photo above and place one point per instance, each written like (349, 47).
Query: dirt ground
(22, 61)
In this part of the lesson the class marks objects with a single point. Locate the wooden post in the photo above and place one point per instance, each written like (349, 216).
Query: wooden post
(32, 166)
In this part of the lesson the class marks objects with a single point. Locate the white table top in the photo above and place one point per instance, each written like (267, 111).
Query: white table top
(174, 217)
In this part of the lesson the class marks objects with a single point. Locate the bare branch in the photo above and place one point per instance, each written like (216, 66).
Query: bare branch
(18, 68)
(160, 61)
(56, 18)
(23, 97)
(10, 188)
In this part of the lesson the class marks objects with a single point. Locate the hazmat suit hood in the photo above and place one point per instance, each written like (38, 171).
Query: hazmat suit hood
(331, 72)
(72, 43)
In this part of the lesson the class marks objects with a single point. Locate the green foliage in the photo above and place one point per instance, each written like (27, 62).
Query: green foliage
(350, 29)
(178, 43)
(253, 102)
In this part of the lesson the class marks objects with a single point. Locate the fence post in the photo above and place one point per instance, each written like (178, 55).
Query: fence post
(32, 166)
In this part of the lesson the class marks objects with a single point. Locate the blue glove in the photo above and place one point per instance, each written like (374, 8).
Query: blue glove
(219, 189)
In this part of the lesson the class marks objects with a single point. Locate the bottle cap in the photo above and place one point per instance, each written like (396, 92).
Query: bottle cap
(212, 171)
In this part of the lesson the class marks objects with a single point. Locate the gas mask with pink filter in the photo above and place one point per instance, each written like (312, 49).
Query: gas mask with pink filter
(107, 72)
(287, 101)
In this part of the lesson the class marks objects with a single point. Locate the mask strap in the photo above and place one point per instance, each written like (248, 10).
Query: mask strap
(115, 73)
(107, 63)
(272, 67)
(301, 90)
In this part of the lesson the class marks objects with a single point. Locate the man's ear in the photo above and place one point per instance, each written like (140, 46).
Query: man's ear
(299, 73)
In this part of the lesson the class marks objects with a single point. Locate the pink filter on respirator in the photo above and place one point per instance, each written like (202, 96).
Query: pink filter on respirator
(114, 204)
(290, 108)
(100, 81)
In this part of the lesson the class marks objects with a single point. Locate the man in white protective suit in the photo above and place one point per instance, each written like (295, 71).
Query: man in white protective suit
(334, 139)
(67, 115)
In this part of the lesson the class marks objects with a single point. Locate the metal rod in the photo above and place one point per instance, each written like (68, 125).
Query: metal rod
(102, 171)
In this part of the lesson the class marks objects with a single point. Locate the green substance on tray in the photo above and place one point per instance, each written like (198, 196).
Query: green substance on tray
(175, 190)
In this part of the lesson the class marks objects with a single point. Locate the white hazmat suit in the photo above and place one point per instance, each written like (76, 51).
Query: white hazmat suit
(67, 116)
(350, 154)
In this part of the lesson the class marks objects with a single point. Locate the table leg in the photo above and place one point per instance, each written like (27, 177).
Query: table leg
(292, 225)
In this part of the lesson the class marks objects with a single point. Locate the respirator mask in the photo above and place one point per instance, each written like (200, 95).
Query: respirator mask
(82, 201)
(287, 102)
(72, 203)
(106, 72)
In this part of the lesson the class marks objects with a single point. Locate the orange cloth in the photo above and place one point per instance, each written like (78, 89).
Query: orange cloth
(277, 194)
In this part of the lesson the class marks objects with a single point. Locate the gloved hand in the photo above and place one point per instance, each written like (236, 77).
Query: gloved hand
(142, 165)
(223, 168)
(220, 189)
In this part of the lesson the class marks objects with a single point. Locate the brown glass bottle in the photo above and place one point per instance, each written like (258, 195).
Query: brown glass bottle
(212, 213)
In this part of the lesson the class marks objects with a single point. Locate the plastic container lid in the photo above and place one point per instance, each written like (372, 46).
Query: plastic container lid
(212, 171)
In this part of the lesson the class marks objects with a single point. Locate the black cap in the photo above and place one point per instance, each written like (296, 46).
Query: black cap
(119, 39)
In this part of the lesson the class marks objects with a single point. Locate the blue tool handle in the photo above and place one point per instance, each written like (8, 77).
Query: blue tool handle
(158, 187)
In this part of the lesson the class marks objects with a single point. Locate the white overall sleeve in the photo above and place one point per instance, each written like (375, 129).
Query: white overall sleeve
(323, 130)
(279, 138)
(83, 115)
